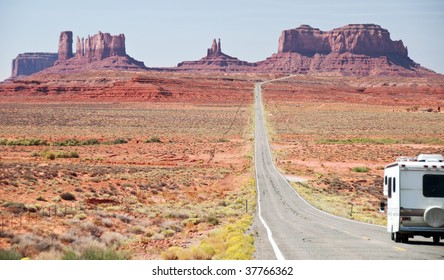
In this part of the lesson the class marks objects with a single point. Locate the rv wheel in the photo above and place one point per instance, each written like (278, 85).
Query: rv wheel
(405, 239)
(397, 237)
(436, 239)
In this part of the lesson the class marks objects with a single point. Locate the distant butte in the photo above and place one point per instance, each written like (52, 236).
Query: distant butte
(102, 51)
(351, 50)
(29, 63)
(216, 60)
(355, 49)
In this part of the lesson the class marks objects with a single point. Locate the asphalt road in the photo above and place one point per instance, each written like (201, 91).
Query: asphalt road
(289, 228)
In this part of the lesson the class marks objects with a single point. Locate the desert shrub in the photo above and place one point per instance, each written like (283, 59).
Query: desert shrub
(111, 238)
(15, 207)
(172, 225)
(34, 154)
(168, 233)
(212, 219)
(157, 236)
(377, 141)
(97, 253)
(107, 222)
(190, 221)
(67, 142)
(94, 230)
(153, 139)
(177, 215)
(124, 218)
(40, 198)
(228, 243)
(91, 142)
(75, 142)
(69, 236)
(203, 252)
(6, 234)
(30, 244)
(137, 230)
(80, 216)
(176, 253)
(49, 255)
(49, 154)
(361, 169)
(67, 196)
(24, 142)
(117, 141)
(10, 254)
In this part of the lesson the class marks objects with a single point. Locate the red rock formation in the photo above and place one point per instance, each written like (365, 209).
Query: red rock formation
(355, 49)
(215, 49)
(216, 60)
(101, 51)
(100, 46)
(30, 63)
(367, 39)
(65, 45)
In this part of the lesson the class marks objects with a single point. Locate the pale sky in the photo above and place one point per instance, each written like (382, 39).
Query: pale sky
(164, 33)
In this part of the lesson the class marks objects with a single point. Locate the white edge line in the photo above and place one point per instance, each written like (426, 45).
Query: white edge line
(276, 250)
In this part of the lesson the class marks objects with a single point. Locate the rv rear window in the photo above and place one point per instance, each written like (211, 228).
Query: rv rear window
(433, 185)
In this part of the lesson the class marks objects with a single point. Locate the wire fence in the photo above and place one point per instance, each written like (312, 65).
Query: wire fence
(16, 218)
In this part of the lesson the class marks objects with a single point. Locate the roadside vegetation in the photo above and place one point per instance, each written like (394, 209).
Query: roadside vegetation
(340, 142)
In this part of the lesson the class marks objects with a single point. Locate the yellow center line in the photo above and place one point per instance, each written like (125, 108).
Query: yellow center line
(399, 248)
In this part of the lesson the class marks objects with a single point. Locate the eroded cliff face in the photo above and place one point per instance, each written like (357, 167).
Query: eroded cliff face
(366, 39)
(29, 63)
(65, 45)
(355, 49)
(98, 52)
(100, 46)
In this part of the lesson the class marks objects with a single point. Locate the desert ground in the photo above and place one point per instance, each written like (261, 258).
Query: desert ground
(160, 165)
(338, 133)
(84, 176)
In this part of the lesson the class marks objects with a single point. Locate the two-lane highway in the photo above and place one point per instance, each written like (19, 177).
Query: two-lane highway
(290, 228)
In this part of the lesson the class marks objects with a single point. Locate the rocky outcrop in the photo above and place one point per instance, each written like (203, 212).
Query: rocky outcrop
(215, 49)
(217, 61)
(100, 46)
(355, 49)
(366, 39)
(65, 45)
(101, 51)
(29, 63)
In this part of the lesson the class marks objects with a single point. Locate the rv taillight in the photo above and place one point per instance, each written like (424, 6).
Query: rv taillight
(403, 165)
(434, 166)
(426, 166)
(406, 218)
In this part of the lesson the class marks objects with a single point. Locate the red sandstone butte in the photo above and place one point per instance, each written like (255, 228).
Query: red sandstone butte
(216, 60)
(355, 49)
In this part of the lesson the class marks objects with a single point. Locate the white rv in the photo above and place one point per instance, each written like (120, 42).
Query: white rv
(415, 197)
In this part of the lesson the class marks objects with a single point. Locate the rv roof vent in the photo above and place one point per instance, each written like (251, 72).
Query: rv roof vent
(430, 158)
